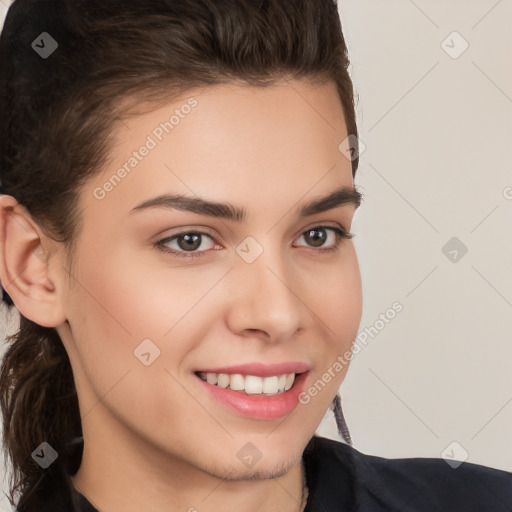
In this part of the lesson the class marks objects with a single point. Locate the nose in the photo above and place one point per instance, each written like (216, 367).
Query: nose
(266, 298)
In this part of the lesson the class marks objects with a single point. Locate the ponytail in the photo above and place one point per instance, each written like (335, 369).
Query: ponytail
(39, 404)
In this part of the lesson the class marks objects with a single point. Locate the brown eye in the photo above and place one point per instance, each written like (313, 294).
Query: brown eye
(186, 244)
(318, 236)
(189, 242)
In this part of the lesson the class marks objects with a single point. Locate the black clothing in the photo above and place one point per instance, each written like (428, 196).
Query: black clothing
(343, 479)
(340, 478)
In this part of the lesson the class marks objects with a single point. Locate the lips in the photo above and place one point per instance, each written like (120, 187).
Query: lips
(265, 406)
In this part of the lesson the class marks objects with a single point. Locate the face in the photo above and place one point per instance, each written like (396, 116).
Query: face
(161, 293)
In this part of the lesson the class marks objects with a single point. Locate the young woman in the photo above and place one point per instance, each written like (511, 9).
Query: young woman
(178, 191)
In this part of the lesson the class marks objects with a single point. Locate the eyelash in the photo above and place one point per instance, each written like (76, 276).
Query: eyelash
(340, 234)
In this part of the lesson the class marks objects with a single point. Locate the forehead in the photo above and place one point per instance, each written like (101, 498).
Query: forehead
(228, 141)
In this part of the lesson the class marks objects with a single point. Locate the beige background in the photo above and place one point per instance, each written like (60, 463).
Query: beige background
(437, 164)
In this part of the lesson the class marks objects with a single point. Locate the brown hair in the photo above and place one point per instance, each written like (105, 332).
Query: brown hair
(57, 116)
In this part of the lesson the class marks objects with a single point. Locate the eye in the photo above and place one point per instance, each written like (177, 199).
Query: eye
(187, 243)
(319, 234)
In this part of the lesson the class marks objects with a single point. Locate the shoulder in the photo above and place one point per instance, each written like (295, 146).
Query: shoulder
(341, 476)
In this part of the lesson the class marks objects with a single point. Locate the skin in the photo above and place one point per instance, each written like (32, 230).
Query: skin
(154, 440)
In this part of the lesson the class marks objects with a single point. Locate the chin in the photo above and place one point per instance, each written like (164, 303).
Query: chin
(258, 472)
(274, 467)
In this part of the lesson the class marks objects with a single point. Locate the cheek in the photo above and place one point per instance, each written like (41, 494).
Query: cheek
(111, 311)
(128, 298)
(338, 314)
(131, 298)
(336, 294)
(114, 313)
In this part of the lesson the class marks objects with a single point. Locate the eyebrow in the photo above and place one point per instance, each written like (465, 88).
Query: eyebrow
(341, 196)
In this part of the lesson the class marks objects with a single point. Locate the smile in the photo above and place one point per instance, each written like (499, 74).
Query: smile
(257, 397)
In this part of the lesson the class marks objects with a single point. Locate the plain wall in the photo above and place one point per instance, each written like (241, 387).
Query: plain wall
(437, 132)
(437, 165)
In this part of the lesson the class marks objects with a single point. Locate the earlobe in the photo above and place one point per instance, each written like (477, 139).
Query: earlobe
(24, 266)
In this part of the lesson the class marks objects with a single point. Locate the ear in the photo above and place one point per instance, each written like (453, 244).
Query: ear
(24, 270)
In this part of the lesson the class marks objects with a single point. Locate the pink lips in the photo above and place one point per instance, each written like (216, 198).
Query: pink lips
(258, 406)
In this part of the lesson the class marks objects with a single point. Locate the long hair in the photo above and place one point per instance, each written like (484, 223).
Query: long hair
(58, 111)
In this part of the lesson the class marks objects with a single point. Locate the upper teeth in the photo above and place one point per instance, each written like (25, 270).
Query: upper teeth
(251, 384)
